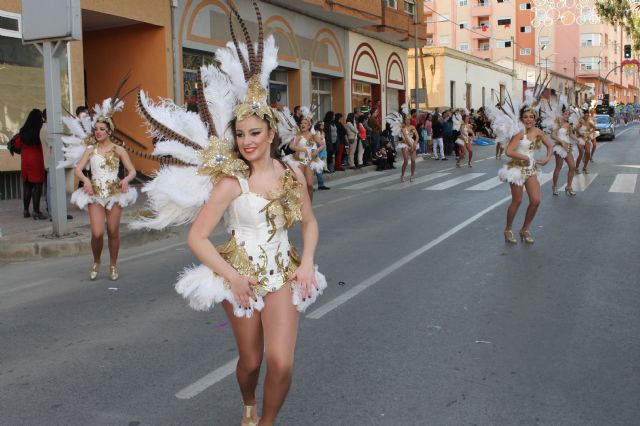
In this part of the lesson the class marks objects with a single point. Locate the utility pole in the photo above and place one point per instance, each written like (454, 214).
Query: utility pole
(415, 55)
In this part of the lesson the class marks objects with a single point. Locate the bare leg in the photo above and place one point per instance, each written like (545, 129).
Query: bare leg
(580, 155)
(96, 219)
(460, 155)
(593, 148)
(470, 150)
(113, 232)
(280, 324)
(556, 171)
(308, 176)
(250, 342)
(405, 160)
(533, 191)
(516, 199)
(572, 169)
(587, 156)
(414, 154)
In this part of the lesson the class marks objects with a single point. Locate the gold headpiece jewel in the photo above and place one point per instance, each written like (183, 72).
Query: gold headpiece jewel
(256, 104)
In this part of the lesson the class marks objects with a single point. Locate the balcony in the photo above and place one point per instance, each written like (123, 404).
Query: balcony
(347, 13)
(478, 33)
(398, 28)
(482, 53)
(481, 9)
(431, 28)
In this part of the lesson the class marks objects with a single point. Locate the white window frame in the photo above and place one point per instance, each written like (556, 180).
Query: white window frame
(463, 47)
(463, 3)
(523, 6)
(505, 17)
(429, 42)
(482, 48)
(527, 29)
(12, 33)
(393, 4)
(501, 44)
(441, 43)
(590, 63)
(544, 41)
(463, 24)
(410, 7)
(590, 40)
(525, 51)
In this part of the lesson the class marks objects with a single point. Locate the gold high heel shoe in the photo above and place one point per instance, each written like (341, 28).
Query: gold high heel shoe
(113, 273)
(525, 236)
(569, 192)
(585, 171)
(401, 179)
(411, 178)
(247, 416)
(555, 190)
(509, 238)
(93, 273)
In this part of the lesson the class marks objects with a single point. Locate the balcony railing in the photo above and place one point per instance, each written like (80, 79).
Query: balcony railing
(481, 9)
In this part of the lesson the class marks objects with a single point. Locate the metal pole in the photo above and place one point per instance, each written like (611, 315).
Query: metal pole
(415, 56)
(51, 52)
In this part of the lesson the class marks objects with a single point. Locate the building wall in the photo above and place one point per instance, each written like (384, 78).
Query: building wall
(445, 65)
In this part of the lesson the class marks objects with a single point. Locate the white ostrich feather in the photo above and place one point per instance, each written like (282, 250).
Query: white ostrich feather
(75, 127)
(395, 119)
(230, 65)
(287, 129)
(220, 99)
(185, 123)
(179, 151)
(269, 61)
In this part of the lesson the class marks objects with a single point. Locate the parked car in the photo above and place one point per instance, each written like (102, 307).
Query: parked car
(606, 127)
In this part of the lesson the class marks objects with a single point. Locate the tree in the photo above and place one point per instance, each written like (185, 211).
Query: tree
(622, 13)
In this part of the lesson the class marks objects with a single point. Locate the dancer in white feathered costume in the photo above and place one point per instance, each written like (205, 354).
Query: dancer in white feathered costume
(584, 144)
(104, 194)
(305, 144)
(407, 137)
(564, 139)
(256, 275)
(592, 136)
(521, 171)
(465, 139)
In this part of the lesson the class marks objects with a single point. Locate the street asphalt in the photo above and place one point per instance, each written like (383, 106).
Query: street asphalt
(429, 318)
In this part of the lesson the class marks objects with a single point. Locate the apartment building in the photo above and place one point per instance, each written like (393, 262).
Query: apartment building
(575, 44)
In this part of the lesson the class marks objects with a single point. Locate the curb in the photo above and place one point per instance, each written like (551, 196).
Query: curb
(74, 244)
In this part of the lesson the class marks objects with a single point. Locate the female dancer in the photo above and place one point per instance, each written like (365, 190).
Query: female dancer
(465, 139)
(584, 146)
(306, 147)
(593, 137)
(408, 146)
(563, 150)
(104, 194)
(256, 275)
(521, 172)
(29, 146)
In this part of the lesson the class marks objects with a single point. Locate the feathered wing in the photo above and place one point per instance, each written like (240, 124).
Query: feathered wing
(287, 128)
(220, 99)
(394, 119)
(74, 144)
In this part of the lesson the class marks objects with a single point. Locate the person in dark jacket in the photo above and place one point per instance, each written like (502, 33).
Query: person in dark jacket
(331, 138)
(341, 141)
(447, 133)
(437, 129)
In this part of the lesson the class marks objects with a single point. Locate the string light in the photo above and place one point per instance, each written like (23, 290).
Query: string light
(566, 12)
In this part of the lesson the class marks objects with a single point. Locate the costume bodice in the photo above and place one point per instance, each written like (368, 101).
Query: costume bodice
(104, 172)
(563, 135)
(259, 244)
(525, 146)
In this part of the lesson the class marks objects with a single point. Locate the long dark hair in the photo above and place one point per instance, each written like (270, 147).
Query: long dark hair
(30, 131)
(350, 118)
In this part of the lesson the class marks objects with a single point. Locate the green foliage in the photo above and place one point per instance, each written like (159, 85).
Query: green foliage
(624, 14)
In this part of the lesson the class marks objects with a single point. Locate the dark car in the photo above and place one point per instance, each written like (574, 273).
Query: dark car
(606, 127)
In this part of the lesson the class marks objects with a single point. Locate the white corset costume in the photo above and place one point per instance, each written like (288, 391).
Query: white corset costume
(563, 135)
(104, 182)
(582, 134)
(259, 247)
(406, 140)
(300, 158)
(464, 138)
(518, 171)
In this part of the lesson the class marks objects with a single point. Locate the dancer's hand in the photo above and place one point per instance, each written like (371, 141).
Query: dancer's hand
(124, 185)
(241, 289)
(305, 275)
(87, 187)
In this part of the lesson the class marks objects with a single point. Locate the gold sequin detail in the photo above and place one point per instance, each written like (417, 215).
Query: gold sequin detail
(284, 202)
(219, 160)
(111, 160)
(110, 187)
(256, 104)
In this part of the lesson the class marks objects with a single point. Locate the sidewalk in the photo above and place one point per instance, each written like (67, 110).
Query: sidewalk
(28, 239)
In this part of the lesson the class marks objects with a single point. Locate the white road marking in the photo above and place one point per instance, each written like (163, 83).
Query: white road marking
(632, 166)
(346, 296)
(486, 185)
(373, 182)
(453, 182)
(422, 179)
(209, 380)
(624, 183)
(581, 182)
(27, 286)
(354, 178)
